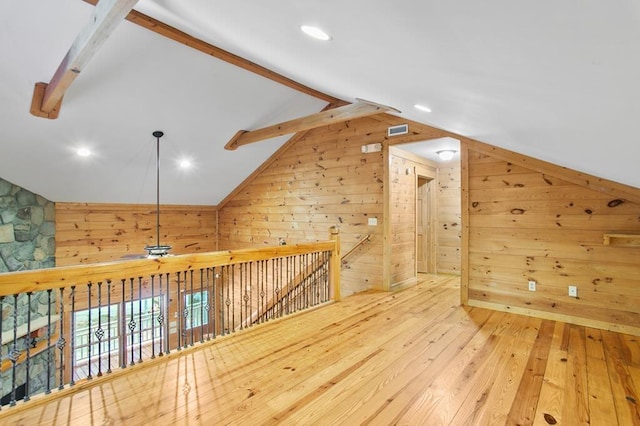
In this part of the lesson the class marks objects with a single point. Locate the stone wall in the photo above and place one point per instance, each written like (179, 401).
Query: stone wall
(27, 229)
(27, 241)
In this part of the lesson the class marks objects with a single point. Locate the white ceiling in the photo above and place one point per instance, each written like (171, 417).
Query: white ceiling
(556, 80)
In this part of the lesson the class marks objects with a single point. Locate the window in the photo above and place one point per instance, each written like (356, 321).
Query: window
(96, 332)
(197, 309)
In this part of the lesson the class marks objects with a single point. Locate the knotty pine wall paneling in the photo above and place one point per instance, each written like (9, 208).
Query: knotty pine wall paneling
(403, 170)
(528, 225)
(90, 233)
(322, 180)
(449, 218)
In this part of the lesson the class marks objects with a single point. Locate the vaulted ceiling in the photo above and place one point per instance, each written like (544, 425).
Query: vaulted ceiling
(555, 80)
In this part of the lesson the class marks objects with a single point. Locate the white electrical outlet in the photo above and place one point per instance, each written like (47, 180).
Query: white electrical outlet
(573, 291)
(532, 286)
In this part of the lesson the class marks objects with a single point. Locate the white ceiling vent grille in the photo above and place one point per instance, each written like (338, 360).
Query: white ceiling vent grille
(401, 129)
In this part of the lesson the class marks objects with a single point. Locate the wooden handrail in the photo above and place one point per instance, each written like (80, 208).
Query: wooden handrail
(363, 240)
(54, 278)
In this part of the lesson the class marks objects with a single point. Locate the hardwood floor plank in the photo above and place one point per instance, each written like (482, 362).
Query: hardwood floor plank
(413, 357)
(552, 392)
(602, 408)
(524, 407)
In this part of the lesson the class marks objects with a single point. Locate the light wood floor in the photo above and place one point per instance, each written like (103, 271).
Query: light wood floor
(411, 357)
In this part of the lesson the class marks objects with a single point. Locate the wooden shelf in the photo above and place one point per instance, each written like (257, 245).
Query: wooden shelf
(622, 240)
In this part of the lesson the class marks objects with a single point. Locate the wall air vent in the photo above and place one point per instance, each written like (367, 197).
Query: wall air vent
(401, 129)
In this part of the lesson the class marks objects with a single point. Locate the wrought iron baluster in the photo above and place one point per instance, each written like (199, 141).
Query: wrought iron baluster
(1, 347)
(179, 296)
(73, 335)
(89, 377)
(224, 301)
(47, 389)
(203, 304)
(109, 326)
(233, 297)
(161, 313)
(61, 341)
(191, 316)
(242, 287)
(140, 324)
(153, 312)
(132, 322)
(99, 331)
(210, 302)
(28, 344)
(13, 353)
(122, 325)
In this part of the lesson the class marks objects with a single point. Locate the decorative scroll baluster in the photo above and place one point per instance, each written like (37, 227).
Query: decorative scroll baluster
(28, 342)
(72, 334)
(13, 353)
(132, 323)
(47, 389)
(61, 341)
(153, 312)
(140, 325)
(109, 326)
(161, 313)
(89, 377)
(185, 313)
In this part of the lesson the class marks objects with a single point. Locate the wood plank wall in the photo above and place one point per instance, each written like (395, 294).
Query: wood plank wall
(402, 211)
(527, 225)
(89, 233)
(449, 218)
(402, 207)
(322, 180)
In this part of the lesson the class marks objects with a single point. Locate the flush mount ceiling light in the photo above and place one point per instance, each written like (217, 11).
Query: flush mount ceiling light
(446, 154)
(83, 152)
(422, 108)
(315, 32)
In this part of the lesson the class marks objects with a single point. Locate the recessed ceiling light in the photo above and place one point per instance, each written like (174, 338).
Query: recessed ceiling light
(185, 164)
(83, 152)
(422, 108)
(315, 32)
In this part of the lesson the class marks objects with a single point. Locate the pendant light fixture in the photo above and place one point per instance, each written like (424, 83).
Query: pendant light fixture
(158, 250)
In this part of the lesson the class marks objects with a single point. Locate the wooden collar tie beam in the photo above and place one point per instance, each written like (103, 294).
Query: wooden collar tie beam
(341, 114)
(107, 15)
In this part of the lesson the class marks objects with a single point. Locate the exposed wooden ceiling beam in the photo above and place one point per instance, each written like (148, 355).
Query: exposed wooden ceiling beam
(107, 15)
(174, 34)
(337, 115)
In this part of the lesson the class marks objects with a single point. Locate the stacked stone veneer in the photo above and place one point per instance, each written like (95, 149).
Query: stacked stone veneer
(27, 229)
(27, 241)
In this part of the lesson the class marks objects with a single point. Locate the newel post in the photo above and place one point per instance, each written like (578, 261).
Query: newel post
(334, 267)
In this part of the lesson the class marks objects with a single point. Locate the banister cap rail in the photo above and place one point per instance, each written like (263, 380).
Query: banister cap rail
(53, 278)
